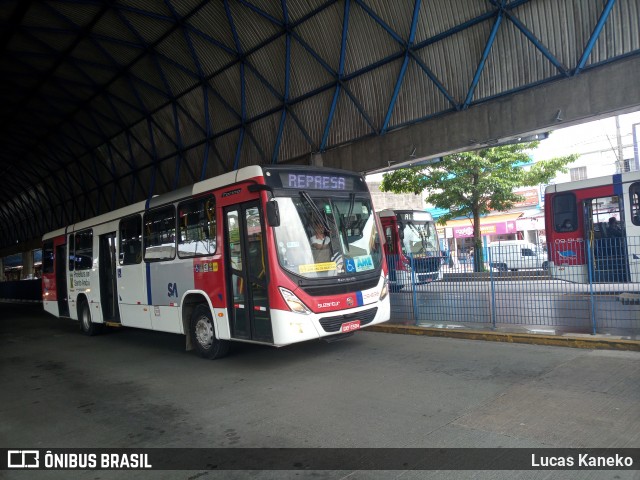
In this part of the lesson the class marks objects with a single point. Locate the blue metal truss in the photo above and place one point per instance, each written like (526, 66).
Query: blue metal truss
(485, 55)
(287, 84)
(403, 69)
(243, 94)
(538, 44)
(387, 28)
(179, 147)
(155, 166)
(336, 94)
(207, 123)
(133, 171)
(116, 185)
(594, 36)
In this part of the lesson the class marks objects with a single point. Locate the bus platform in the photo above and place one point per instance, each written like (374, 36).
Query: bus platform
(534, 335)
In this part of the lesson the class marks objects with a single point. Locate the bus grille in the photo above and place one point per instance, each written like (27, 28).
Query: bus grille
(332, 324)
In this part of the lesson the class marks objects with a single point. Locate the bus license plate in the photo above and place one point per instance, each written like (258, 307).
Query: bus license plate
(351, 326)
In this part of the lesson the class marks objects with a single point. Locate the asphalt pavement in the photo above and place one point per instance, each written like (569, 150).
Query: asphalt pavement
(139, 389)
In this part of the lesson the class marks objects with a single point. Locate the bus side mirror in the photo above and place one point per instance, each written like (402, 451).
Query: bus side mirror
(273, 214)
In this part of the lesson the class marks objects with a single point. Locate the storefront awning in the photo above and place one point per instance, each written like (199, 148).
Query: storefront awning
(490, 225)
(533, 213)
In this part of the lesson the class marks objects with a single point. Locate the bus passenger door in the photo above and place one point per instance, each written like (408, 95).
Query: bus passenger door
(108, 287)
(608, 255)
(61, 280)
(392, 253)
(246, 264)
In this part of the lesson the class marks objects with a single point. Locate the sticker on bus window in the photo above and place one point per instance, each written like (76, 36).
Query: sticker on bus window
(362, 263)
(317, 267)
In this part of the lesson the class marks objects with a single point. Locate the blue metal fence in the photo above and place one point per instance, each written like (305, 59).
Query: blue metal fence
(589, 287)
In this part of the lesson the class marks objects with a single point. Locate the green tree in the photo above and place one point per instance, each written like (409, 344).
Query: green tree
(472, 184)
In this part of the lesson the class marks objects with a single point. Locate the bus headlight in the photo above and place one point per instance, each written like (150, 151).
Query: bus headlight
(294, 303)
(385, 288)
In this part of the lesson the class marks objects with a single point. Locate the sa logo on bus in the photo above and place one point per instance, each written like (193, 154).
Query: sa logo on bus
(172, 290)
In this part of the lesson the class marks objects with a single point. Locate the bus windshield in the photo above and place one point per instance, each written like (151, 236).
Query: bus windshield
(418, 238)
(325, 236)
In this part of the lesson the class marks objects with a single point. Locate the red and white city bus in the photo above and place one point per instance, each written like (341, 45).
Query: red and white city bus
(411, 247)
(602, 214)
(227, 259)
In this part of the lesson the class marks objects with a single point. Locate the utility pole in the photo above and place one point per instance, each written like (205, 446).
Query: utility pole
(620, 149)
(636, 157)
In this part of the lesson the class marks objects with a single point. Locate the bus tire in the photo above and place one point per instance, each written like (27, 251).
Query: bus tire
(86, 324)
(203, 336)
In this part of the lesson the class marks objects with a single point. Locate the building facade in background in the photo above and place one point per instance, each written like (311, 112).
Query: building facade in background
(395, 201)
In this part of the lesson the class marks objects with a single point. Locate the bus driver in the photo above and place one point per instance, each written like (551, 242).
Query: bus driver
(319, 241)
(320, 245)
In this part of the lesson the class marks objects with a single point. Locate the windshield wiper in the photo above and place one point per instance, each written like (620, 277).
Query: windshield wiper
(315, 210)
(352, 201)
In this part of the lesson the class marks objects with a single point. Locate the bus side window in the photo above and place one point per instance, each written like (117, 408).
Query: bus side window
(634, 198)
(197, 228)
(130, 246)
(47, 257)
(565, 212)
(160, 231)
(84, 250)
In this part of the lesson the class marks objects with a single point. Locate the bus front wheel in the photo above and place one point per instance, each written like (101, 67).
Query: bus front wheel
(86, 325)
(203, 336)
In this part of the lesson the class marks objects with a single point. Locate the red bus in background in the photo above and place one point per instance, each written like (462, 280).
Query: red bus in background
(411, 247)
(593, 229)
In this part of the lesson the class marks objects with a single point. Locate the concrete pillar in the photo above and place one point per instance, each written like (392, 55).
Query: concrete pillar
(27, 264)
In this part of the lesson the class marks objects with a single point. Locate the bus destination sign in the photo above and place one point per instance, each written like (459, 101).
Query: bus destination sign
(316, 181)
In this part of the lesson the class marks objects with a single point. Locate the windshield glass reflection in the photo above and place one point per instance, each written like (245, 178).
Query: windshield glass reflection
(325, 237)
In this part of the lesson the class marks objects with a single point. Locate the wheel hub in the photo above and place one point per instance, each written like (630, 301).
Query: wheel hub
(204, 332)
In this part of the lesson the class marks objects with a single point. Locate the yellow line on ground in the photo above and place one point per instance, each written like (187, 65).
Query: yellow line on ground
(596, 342)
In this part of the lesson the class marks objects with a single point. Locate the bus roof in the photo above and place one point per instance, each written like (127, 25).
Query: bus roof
(219, 181)
(593, 182)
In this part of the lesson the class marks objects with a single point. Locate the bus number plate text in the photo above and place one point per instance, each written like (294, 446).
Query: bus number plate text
(351, 326)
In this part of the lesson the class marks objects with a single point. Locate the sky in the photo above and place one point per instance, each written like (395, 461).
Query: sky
(597, 138)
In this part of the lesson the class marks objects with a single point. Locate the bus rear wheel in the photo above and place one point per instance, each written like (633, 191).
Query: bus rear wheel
(203, 336)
